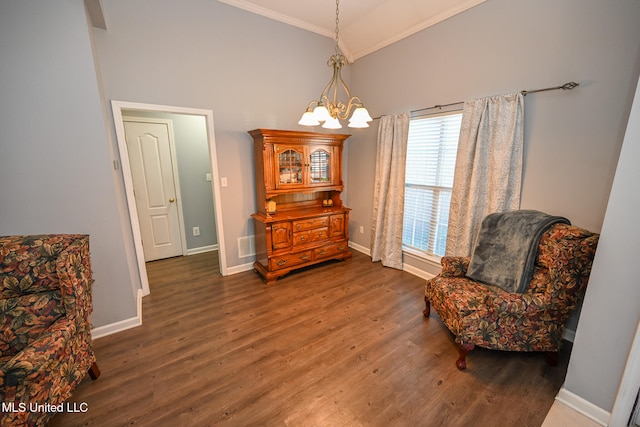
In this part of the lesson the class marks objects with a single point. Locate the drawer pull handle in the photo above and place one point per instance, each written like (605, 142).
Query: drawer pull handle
(282, 262)
(298, 226)
(304, 257)
(322, 252)
(302, 237)
(341, 248)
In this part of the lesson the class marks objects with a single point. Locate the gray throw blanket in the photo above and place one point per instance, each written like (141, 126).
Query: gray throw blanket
(507, 246)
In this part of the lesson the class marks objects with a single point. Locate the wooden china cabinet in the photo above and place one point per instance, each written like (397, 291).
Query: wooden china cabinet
(301, 219)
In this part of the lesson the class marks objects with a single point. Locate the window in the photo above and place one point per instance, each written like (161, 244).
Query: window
(431, 159)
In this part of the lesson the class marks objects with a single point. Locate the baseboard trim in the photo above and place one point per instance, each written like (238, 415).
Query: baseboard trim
(239, 268)
(584, 407)
(417, 272)
(405, 267)
(202, 249)
(123, 325)
(569, 335)
(360, 248)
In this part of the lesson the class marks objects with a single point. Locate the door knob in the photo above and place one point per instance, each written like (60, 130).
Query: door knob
(171, 200)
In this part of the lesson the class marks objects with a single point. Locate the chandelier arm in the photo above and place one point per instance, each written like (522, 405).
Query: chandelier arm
(341, 110)
(352, 105)
(335, 101)
(325, 91)
(344, 86)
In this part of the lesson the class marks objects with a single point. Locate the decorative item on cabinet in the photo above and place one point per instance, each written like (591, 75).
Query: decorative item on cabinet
(301, 173)
(271, 206)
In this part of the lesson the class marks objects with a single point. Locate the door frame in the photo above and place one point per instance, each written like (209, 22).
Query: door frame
(629, 386)
(117, 107)
(174, 171)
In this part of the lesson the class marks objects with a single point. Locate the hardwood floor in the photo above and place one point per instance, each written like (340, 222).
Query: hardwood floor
(341, 344)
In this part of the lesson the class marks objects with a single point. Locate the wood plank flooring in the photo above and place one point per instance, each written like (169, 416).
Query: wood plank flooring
(339, 344)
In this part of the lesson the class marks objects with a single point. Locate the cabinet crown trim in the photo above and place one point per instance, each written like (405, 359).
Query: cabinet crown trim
(297, 137)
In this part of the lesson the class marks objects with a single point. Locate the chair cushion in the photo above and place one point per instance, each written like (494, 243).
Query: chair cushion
(23, 319)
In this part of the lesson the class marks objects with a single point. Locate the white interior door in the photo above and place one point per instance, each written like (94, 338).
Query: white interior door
(154, 183)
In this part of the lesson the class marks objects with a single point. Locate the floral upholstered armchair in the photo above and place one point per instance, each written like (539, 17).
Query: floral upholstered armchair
(45, 346)
(533, 319)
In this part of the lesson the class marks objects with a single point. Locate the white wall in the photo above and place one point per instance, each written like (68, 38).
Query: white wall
(56, 173)
(611, 310)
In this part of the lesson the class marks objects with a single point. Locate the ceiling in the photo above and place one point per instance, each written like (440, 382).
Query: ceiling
(365, 25)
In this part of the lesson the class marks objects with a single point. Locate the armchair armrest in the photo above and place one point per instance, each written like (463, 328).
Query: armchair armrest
(514, 303)
(454, 266)
(74, 272)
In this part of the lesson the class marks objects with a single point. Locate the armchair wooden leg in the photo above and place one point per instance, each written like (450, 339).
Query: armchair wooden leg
(427, 310)
(463, 349)
(94, 371)
(552, 358)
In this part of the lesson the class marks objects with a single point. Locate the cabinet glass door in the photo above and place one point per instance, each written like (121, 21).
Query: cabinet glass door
(290, 167)
(320, 165)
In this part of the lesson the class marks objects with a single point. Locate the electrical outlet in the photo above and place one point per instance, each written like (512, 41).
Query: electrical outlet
(361, 229)
(223, 181)
(196, 231)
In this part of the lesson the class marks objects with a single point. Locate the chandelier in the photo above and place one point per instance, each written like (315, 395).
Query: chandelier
(328, 108)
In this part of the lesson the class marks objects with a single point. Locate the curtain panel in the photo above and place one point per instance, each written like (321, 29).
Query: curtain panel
(488, 170)
(388, 203)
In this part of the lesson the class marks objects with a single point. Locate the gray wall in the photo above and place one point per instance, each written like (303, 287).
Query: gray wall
(572, 138)
(249, 70)
(192, 156)
(610, 313)
(56, 172)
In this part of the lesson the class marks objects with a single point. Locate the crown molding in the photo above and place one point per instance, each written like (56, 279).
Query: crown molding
(267, 13)
(417, 28)
(250, 7)
(96, 13)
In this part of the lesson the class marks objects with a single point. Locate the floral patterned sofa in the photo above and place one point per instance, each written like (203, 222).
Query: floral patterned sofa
(45, 346)
(487, 316)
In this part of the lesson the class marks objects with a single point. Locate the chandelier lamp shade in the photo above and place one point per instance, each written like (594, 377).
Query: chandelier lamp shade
(328, 108)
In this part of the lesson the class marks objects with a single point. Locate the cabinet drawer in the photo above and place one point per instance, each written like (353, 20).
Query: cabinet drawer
(289, 260)
(311, 223)
(302, 237)
(330, 250)
(319, 234)
(315, 235)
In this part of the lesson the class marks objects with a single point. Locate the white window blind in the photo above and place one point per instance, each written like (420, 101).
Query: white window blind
(431, 158)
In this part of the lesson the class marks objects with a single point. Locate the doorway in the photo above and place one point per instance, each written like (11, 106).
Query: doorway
(154, 170)
(123, 111)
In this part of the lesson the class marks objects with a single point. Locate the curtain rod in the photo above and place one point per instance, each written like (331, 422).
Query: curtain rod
(566, 86)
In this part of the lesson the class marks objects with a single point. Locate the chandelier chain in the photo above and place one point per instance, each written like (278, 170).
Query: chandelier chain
(329, 108)
(337, 22)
